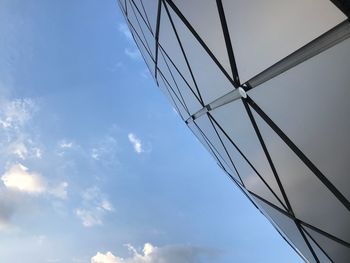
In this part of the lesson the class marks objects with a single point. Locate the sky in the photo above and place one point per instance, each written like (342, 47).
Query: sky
(95, 164)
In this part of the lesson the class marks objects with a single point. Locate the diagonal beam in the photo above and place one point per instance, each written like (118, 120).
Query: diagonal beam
(157, 35)
(200, 40)
(228, 42)
(316, 229)
(229, 97)
(341, 198)
(322, 43)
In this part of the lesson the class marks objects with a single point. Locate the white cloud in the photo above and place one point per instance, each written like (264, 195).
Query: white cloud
(19, 149)
(19, 178)
(105, 151)
(94, 207)
(132, 53)
(37, 152)
(145, 73)
(95, 154)
(60, 191)
(136, 142)
(40, 240)
(106, 205)
(17, 129)
(153, 254)
(22, 148)
(123, 28)
(105, 258)
(64, 144)
(89, 218)
(16, 113)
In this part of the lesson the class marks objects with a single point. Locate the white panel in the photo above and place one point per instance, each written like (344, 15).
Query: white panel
(168, 41)
(151, 8)
(288, 227)
(209, 29)
(310, 103)
(311, 201)
(178, 83)
(265, 31)
(234, 120)
(213, 151)
(139, 23)
(145, 53)
(172, 98)
(250, 178)
(212, 83)
(141, 11)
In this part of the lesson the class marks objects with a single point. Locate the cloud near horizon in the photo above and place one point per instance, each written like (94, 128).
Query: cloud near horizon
(165, 254)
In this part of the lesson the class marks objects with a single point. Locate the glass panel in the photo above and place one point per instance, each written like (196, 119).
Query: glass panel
(310, 103)
(139, 26)
(209, 29)
(141, 11)
(288, 227)
(170, 44)
(263, 32)
(320, 255)
(180, 85)
(172, 98)
(234, 120)
(145, 53)
(250, 178)
(151, 8)
(193, 127)
(146, 34)
(311, 201)
(122, 3)
(162, 66)
(207, 128)
(336, 251)
(212, 83)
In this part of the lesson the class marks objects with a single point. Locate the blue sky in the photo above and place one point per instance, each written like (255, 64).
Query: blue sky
(95, 164)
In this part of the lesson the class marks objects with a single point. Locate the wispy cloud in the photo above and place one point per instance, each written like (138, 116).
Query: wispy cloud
(16, 129)
(19, 149)
(15, 113)
(145, 73)
(136, 143)
(105, 150)
(132, 53)
(94, 207)
(65, 144)
(123, 28)
(60, 191)
(153, 254)
(88, 218)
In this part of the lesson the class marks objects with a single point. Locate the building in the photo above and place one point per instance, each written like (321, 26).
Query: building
(265, 86)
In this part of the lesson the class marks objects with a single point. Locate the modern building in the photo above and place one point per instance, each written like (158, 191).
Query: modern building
(265, 86)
